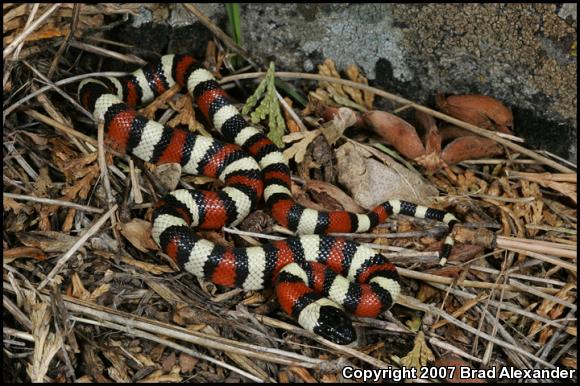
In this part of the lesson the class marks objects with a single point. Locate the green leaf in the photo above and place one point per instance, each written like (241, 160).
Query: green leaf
(292, 92)
(268, 107)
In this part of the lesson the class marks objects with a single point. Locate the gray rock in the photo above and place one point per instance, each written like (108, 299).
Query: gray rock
(521, 54)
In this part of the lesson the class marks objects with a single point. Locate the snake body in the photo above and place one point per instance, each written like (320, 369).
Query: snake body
(317, 278)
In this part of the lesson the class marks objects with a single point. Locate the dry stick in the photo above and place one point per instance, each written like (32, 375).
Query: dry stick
(62, 261)
(401, 100)
(28, 22)
(545, 243)
(64, 45)
(61, 82)
(195, 337)
(228, 41)
(344, 349)
(496, 304)
(68, 130)
(142, 334)
(18, 334)
(198, 338)
(529, 245)
(467, 283)
(414, 303)
(12, 46)
(547, 259)
(108, 53)
(104, 170)
(16, 313)
(518, 360)
(534, 291)
(58, 90)
(448, 347)
(50, 201)
(291, 112)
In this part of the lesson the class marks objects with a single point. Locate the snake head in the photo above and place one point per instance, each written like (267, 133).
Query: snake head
(334, 325)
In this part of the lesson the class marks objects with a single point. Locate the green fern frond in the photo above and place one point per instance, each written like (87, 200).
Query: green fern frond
(269, 107)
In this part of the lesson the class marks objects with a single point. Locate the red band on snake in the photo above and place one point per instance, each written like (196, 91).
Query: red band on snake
(318, 279)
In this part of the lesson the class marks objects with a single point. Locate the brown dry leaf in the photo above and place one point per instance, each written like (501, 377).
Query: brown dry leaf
(169, 362)
(9, 255)
(367, 99)
(119, 370)
(77, 289)
(185, 115)
(333, 90)
(479, 110)
(187, 362)
(99, 291)
(534, 209)
(159, 377)
(398, 132)
(138, 232)
(469, 147)
(298, 150)
(49, 242)
(335, 193)
(11, 204)
(569, 362)
(420, 355)
(290, 123)
(553, 310)
(46, 344)
(303, 374)
(162, 290)
(371, 182)
(342, 120)
(184, 315)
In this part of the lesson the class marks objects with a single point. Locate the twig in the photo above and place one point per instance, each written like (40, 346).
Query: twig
(165, 342)
(541, 294)
(412, 302)
(50, 201)
(467, 283)
(291, 112)
(61, 82)
(69, 130)
(228, 41)
(127, 58)
(63, 260)
(104, 170)
(401, 100)
(12, 46)
(542, 247)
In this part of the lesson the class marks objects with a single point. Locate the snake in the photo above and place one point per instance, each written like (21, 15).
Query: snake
(318, 279)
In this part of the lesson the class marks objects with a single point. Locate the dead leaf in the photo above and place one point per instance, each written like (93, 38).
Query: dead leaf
(9, 255)
(371, 182)
(345, 201)
(342, 120)
(11, 204)
(187, 362)
(185, 115)
(298, 150)
(398, 132)
(138, 232)
(420, 355)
